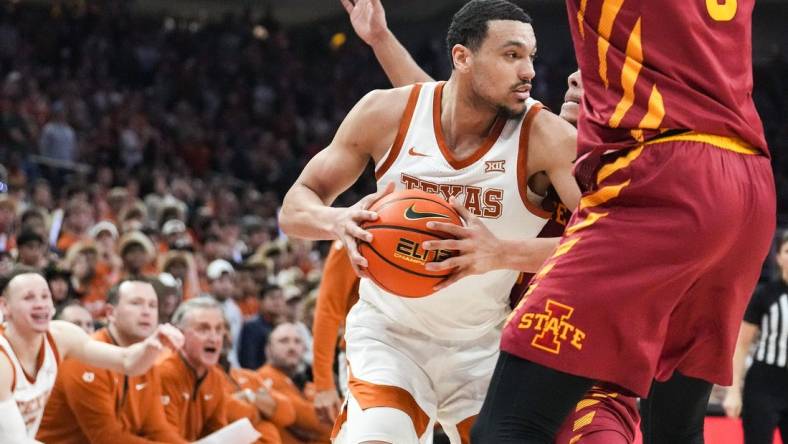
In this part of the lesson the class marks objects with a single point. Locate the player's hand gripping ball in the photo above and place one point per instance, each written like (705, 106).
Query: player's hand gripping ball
(395, 256)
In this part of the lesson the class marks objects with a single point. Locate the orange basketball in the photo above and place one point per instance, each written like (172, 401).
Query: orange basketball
(395, 256)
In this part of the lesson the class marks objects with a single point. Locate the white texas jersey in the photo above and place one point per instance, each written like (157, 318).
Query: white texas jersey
(491, 183)
(31, 394)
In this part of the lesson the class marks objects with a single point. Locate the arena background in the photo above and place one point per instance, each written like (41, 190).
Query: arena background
(219, 104)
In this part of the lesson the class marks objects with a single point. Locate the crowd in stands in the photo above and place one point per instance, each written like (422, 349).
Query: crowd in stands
(134, 147)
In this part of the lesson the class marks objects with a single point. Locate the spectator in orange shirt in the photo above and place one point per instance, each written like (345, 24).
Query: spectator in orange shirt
(136, 251)
(90, 283)
(249, 397)
(180, 264)
(337, 294)
(105, 234)
(191, 382)
(284, 354)
(78, 218)
(93, 405)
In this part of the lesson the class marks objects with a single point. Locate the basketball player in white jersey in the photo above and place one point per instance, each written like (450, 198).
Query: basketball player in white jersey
(479, 138)
(31, 347)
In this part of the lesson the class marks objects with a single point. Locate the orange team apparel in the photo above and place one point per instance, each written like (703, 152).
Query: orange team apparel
(195, 406)
(307, 427)
(284, 414)
(338, 293)
(90, 404)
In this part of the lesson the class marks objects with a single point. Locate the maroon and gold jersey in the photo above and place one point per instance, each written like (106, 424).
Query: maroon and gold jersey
(651, 66)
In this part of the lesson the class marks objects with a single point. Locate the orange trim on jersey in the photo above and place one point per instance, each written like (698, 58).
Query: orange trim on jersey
(495, 131)
(464, 429)
(404, 124)
(53, 345)
(39, 361)
(522, 163)
(339, 422)
(369, 395)
(13, 368)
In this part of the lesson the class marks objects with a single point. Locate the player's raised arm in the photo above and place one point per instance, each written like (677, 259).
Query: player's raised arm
(369, 21)
(367, 132)
(133, 360)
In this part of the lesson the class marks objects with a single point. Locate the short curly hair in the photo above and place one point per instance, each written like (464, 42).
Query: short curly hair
(469, 25)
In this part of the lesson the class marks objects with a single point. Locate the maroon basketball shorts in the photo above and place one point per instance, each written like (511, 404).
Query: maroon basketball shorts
(655, 268)
(602, 417)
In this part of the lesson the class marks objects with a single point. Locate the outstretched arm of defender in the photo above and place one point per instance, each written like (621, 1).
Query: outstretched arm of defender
(554, 141)
(366, 133)
(133, 360)
(369, 21)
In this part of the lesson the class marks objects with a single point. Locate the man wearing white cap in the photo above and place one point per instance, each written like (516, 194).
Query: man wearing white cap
(220, 277)
(175, 234)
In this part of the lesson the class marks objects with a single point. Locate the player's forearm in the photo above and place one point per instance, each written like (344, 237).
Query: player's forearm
(305, 216)
(526, 255)
(746, 335)
(395, 60)
(12, 426)
(139, 358)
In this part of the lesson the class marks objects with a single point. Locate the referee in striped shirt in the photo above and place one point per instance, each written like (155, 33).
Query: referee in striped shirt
(764, 403)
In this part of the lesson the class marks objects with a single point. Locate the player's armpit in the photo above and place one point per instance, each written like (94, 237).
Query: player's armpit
(366, 133)
(553, 143)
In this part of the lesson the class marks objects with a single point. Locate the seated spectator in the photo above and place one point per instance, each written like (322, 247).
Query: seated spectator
(77, 315)
(221, 274)
(59, 280)
(249, 397)
(180, 264)
(30, 249)
(136, 251)
(168, 290)
(248, 288)
(105, 234)
(7, 223)
(191, 382)
(89, 282)
(175, 235)
(254, 334)
(89, 404)
(77, 219)
(285, 354)
(132, 217)
(35, 219)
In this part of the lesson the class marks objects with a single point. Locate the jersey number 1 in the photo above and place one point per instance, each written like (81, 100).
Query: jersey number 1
(722, 12)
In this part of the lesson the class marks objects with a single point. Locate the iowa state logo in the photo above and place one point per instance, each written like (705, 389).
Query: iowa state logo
(553, 328)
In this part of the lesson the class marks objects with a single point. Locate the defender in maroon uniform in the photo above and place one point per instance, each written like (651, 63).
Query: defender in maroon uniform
(648, 286)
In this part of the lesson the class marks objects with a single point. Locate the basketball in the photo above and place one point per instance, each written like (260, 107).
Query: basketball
(395, 256)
